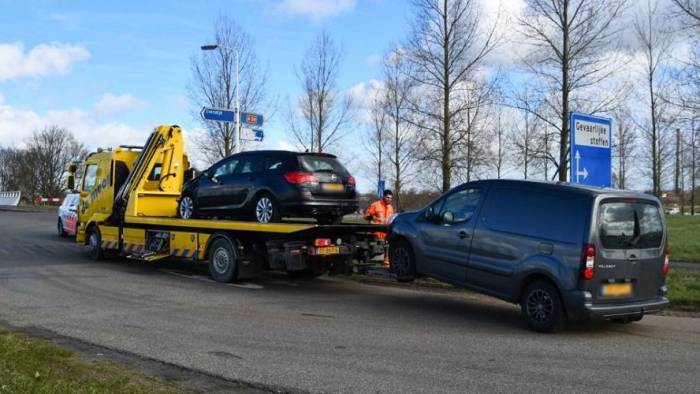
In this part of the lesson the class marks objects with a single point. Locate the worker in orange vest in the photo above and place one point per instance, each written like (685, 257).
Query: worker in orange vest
(380, 212)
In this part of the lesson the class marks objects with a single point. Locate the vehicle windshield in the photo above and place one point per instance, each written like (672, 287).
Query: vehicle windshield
(317, 163)
(625, 225)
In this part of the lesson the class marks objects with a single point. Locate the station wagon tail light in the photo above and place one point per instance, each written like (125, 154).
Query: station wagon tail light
(667, 254)
(588, 261)
(351, 181)
(300, 177)
(321, 242)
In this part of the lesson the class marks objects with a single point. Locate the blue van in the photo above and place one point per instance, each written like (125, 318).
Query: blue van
(561, 251)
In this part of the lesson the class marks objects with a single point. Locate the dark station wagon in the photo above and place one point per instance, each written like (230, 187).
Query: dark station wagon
(559, 250)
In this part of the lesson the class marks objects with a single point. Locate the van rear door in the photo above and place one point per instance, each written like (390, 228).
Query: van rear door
(630, 251)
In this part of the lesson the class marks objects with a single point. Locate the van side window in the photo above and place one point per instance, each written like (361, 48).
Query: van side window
(462, 204)
(90, 178)
(543, 214)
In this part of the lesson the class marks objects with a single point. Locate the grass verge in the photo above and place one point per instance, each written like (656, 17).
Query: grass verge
(684, 237)
(30, 365)
(684, 289)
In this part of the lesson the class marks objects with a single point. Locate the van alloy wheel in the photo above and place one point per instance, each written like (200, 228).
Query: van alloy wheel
(401, 261)
(539, 306)
(264, 210)
(186, 207)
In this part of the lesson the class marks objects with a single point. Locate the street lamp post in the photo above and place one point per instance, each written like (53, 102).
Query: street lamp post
(237, 120)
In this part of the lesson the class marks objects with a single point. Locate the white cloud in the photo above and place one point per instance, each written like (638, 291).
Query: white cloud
(110, 103)
(362, 95)
(316, 10)
(17, 124)
(44, 59)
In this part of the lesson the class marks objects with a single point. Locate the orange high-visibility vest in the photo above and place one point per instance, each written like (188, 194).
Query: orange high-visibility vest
(379, 213)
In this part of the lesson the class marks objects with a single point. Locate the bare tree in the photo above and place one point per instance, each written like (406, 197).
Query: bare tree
(213, 84)
(401, 140)
(448, 46)
(500, 144)
(655, 43)
(375, 140)
(325, 112)
(623, 147)
(570, 40)
(49, 151)
(691, 9)
(38, 169)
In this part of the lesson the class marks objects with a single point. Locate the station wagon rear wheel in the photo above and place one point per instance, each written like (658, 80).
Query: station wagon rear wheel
(266, 210)
(402, 260)
(542, 307)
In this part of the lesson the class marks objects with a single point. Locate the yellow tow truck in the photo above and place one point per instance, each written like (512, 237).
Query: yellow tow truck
(128, 204)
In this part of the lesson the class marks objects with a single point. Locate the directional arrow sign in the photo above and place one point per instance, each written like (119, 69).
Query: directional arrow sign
(591, 138)
(218, 114)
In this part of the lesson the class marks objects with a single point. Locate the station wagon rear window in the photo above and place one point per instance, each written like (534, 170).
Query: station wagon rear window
(630, 225)
(315, 163)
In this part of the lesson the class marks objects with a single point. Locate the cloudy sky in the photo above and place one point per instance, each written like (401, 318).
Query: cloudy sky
(111, 71)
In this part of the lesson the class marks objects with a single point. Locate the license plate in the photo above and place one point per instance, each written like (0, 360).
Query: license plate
(333, 187)
(328, 250)
(617, 289)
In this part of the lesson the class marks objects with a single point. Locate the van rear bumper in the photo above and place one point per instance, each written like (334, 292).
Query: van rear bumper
(580, 305)
(628, 309)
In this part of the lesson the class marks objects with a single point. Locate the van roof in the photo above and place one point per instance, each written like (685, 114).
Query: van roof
(566, 187)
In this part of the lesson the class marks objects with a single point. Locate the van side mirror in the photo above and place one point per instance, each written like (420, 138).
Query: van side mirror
(429, 214)
(448, 218)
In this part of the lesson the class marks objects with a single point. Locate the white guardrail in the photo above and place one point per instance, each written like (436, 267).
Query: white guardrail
(10, 199)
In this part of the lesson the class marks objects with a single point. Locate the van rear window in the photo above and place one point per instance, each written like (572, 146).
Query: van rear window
(625, 225)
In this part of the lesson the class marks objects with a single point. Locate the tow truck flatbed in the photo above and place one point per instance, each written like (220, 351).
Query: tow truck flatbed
(128, 204)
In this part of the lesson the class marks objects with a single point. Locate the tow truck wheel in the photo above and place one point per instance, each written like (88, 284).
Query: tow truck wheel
(402, 260)
(222, 261)
(61, 231)
(185, 208)
(95, 244)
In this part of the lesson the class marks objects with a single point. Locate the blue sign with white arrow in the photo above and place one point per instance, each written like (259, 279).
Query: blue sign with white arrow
(590, 151)
(218, 114)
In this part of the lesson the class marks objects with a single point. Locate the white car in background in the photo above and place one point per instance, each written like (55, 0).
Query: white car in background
(68, 215)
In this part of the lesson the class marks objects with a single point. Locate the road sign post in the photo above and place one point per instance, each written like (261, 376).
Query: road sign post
(590, 150)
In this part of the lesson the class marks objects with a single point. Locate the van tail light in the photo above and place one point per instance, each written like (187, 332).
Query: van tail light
(351, 181)
(588, 261)
(320, 242)
(667, 255)
(300, 177)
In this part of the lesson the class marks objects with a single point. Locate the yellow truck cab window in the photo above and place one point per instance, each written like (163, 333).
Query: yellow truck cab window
(90, 178)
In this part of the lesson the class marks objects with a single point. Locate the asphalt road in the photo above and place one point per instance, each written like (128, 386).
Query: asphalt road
(326, 335)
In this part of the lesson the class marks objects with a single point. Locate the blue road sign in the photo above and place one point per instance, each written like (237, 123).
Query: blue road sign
(589, 154)
(250, 119)
(381, 186)
(218, 114)
(259, 135)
